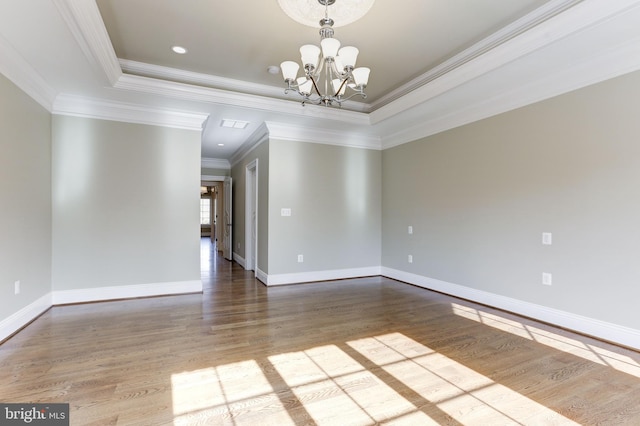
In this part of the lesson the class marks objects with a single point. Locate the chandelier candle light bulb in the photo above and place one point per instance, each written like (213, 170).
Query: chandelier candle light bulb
(337, 63)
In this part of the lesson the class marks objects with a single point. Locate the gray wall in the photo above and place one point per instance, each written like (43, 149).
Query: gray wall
(479, 197)
(25, 199)
(335, 199)
(261, 153)
(125, 204)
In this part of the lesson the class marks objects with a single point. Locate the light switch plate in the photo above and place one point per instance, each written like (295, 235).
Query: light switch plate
(547, 238)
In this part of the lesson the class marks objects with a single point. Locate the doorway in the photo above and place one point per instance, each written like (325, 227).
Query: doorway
(211, 245)
(208, 212)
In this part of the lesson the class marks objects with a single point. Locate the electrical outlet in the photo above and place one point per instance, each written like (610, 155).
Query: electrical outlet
(16, 287)
(410, 229)
(547, 238)
(546, 278)
(300, 258)
(410, 259)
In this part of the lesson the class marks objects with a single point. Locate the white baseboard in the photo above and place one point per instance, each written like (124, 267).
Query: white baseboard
(600, 329)
(305, 277)
(239, 259)
(24, 316)
(62, 297)
(262, 276)
(607, 331)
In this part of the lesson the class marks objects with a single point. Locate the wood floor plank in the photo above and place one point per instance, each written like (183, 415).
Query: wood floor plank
(362, 351)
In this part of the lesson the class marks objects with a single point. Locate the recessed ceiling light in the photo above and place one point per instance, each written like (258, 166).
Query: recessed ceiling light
(220, 144)
(234, 124)
(273, 69)
(179, 50)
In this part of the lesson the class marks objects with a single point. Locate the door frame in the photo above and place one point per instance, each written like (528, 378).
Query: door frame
(227, 218)
(251, 217)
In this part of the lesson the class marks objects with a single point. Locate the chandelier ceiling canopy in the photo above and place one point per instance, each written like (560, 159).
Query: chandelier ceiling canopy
(330, 73)
(309, 12)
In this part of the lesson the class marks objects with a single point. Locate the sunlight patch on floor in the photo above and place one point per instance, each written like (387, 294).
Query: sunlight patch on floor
(224, 392)
(196, 390)
(566, 344)
(385, 379)
(340, 388)
(467, 396)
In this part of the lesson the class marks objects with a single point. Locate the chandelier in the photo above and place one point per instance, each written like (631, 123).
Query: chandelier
(341, 80)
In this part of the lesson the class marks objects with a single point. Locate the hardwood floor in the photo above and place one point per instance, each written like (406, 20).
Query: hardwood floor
(351, 352)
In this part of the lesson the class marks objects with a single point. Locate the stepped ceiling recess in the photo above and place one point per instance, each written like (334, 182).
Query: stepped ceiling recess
(435, 64)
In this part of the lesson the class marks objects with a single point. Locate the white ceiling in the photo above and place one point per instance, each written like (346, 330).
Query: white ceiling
(436, 64)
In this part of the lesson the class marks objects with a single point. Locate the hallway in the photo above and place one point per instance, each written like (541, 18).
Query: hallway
(215, 269)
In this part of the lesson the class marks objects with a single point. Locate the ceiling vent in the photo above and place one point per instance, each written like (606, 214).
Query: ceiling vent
(234, 124)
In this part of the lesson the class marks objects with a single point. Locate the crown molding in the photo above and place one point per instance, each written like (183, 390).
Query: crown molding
(19, 72)
(260, 135)
(224, 97)
(85, 23)
(508, 48)
(501, 36)
(84, 20)
(288, 132)
(606, 65)
(585, 14)
(215, 163)
(208, 80)
(130, 113)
